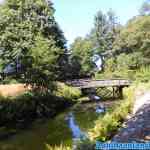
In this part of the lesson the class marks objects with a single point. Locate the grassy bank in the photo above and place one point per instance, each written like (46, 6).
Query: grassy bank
(27, 107)
(61, 147)
(107, 126)
(17, 112)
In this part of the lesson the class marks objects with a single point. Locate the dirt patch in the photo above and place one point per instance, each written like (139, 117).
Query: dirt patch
(13, 89)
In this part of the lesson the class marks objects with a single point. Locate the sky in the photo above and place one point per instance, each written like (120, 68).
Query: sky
(76, 17)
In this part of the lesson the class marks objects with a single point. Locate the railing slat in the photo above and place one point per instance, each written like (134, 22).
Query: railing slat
(98, 83)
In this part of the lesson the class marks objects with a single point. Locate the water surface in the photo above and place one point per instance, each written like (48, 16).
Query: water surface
(63, 129)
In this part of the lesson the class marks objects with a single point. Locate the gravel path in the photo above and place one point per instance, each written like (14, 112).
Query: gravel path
(137, 127)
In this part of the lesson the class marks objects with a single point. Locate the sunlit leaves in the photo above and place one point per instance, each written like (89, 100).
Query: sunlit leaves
(29, 34)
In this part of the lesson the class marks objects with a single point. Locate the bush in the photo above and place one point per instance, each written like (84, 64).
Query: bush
(29, 106)
(9, 80)
(61, 147)
(143, 74)
(123, 66)
(107, 126)
(67, 92)
(85, 145)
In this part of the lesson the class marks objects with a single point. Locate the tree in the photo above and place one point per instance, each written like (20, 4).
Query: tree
(101, 28)
(130, 49)
(28, 31)
(81, 56)
(145, 8)
(105, 30)
(113, 29)
(134, 37)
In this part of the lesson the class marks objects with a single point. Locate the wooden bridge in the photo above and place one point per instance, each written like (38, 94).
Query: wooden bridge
(109, 87)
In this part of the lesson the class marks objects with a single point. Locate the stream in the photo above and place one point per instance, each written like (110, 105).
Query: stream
(65, 128)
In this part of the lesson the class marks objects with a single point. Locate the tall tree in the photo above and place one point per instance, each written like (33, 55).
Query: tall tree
(81, 57)
(113, 29)
(145, 8)
(101, 28)
(105, 30)
(26, 26)
(135, 38)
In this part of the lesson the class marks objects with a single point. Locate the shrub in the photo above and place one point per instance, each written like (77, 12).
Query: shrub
(143, 74)
(61, 147)
(85, 145)
(107, 126)
(29, 106)
(67, 92)
(9, 80)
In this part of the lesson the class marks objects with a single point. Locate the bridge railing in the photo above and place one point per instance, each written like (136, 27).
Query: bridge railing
(99, 83)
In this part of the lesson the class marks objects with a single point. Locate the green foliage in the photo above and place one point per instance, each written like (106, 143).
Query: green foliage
(145, 8)
(67, 92)
(125, 65)
(61, 147)
(143, 74)
(130, 50)
(25, 108)
(106, 127)
(121, 66)
(41, 65)
(9, 80)
(105, 30)
(134, 37)
(100, 39)
(81, 57)
(29, 34)
(85, 145)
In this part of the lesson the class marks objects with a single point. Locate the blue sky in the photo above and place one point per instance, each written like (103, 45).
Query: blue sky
(76, 16)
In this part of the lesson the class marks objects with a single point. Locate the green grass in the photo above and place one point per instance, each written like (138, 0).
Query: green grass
(105, 127)
(29, 106)
(67, 92)
(143, 75)
(61, 147)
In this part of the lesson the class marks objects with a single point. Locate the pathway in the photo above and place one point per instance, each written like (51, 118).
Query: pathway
(137, 127)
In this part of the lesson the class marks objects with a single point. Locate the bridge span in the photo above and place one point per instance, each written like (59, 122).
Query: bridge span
(116, 85)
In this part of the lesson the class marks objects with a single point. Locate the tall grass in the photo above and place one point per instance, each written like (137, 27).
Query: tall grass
(61, 147)
(67, 92)
(26, 107)
(106, 127)
(143, 74)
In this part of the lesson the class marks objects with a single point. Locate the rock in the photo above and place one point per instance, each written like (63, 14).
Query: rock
(94, 97)
(100, 109)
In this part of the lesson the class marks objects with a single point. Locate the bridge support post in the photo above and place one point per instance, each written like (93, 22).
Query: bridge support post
(114, 92)
(120, 92)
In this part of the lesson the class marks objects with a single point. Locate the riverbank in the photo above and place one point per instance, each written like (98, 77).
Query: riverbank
(19, 112)
(19, 106)
(129, 122)
(59, 132)
(105, 127)
(79, 119)
(137, 127)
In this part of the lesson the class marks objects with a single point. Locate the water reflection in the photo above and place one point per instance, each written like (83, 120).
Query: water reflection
(100, 109)
(75, 129)
(67, 128)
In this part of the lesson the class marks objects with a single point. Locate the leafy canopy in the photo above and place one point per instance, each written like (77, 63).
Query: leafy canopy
(81, 56)
(30, 34)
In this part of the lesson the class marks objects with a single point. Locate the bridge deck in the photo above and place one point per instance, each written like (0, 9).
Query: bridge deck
(87, 83)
